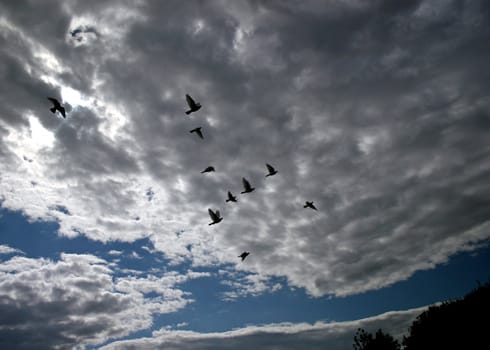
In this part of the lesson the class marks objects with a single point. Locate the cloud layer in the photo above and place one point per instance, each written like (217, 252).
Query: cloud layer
(78, 301)
(377, 112)
(278, 336)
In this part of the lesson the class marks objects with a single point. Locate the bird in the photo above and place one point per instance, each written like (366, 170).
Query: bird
(309, 205)
(57, 106)
(271, 169)
(246, 186)
(244, 255)
(215, 216)
(194, 106)
(231, 198)
(197, 131)
(207, 170)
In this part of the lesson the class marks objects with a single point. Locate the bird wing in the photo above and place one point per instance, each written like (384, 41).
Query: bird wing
(218, 214)
(270, 168)
(55, 101)
(62, 111)
(246, 184)
(213, 215)
(190, 101)
(230, 195)
(198, 131)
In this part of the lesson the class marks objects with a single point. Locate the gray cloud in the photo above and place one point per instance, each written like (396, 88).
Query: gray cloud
(377, 112)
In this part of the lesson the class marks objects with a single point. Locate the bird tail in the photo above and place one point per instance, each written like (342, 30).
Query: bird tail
(227, 200)
(305, 206)
(188, 112)
(53, 110)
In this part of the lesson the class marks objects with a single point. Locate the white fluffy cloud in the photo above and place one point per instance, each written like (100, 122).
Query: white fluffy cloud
(5, 249)
(77, 301)
(377, 112)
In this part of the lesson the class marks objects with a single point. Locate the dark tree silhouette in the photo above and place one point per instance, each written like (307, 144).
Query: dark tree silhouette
(380, 341)
(457, 324)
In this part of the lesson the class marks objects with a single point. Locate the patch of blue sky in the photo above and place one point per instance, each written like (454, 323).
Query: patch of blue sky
(40, 239)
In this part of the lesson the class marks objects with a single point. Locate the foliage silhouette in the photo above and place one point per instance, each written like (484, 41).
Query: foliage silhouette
(380, 341)
(457, 324)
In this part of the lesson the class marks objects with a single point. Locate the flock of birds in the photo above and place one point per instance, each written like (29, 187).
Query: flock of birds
(247, 188)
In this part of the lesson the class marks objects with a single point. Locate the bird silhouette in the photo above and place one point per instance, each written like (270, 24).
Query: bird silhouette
(244, 255)
(231, 198)
(271, 169)
(246, 186)
(207, 170)
(193, 105)
(309, 205)
(57, 106)
(197, 131)
(215, 216)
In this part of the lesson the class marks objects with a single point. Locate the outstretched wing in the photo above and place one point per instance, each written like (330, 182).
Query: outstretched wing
(190, 101)
(246, 184)
(270, 168)
(197, 131)
(213, 215)
(55, 101)
(62, 111)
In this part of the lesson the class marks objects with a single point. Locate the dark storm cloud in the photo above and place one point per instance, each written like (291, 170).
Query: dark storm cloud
(375, 111)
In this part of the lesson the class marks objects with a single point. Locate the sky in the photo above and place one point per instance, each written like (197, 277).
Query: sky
(376, 111)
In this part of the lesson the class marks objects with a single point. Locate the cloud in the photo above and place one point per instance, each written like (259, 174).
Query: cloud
(5, 249)
(284, 336)
(77, 301)
(375, 111)
(244, 284)
(114, 252)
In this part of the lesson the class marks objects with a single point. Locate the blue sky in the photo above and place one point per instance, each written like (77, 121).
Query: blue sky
(375, 111)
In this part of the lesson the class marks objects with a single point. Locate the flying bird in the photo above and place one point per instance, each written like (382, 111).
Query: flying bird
(207, 170)
(246, 186)
(271, 169)
(193, 105)
(215, 216)
(57, 106)
(244, 255)
(309, 205)
(231, 198)
(197, 131)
